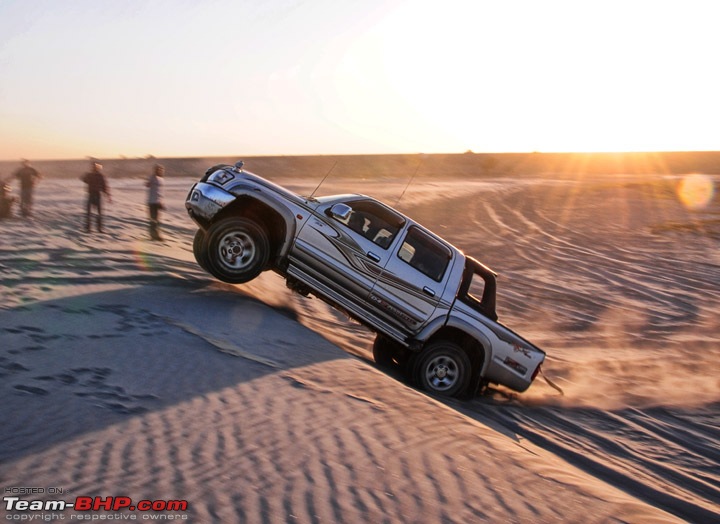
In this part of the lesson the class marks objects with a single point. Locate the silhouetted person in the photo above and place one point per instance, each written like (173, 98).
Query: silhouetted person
(27, 175)
(96, 186)
(155, 200)
(6, 200)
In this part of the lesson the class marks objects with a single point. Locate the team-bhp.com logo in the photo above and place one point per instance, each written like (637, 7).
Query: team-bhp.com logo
(149, 509)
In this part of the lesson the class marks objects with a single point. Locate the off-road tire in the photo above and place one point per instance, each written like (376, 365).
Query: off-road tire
(237, 250)
(442, 368)
(200, 248)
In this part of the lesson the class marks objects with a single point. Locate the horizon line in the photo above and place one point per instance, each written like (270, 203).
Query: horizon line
(468, 152)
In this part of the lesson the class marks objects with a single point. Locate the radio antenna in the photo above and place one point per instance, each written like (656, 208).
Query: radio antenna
(417, 168)
(323, 180)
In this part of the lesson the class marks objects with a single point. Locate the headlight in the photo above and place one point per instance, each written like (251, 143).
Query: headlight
(221, 177)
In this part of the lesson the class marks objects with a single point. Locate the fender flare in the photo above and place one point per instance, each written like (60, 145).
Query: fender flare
(430, 329)
(276, 205)
(472, 331)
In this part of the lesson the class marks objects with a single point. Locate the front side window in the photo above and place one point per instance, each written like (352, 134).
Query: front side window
(425, 254)
(373, 221)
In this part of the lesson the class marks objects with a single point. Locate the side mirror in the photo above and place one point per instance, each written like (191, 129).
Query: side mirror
(340, 212)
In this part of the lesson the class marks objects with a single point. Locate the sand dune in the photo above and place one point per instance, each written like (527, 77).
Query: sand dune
(127, 371)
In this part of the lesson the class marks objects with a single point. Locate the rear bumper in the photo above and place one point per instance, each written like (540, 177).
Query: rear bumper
(204, 201)
(516, 371)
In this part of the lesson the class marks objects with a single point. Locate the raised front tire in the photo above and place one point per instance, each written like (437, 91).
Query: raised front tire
(237, 250)
(443, 368)
(200, 249)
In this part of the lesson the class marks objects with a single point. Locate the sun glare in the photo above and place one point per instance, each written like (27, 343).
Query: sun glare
(696, 191)
(494, 79)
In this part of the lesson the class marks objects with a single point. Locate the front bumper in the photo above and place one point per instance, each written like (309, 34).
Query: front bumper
(205, 201)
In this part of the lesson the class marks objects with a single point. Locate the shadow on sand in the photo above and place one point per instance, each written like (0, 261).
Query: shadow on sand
(78, 364)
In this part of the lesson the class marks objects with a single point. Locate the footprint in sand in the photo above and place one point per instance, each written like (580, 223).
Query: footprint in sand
(124, 410)
(8, 367)
(30, 389)
(34, 348)
(14, 367)
(67, 379)
(19, 330)
(31, 329)
(132, 319)
(44, 338)
(114, 398)
(89, 383)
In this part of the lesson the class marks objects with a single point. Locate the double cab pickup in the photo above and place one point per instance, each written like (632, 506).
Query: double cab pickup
(431, 306)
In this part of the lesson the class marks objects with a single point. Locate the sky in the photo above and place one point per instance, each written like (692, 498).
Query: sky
(182, 78)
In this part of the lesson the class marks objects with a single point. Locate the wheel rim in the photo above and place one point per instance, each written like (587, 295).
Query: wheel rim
(237, 250)
(442, 373)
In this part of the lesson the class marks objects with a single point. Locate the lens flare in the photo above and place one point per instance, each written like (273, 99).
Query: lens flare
(696, 191)
(143, 261)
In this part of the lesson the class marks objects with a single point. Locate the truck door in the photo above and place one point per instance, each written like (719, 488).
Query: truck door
(409, 290)
(345, 246)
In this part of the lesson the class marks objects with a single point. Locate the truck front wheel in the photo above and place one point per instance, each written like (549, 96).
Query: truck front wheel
(237, 250)
(199, 249)
(443, 368)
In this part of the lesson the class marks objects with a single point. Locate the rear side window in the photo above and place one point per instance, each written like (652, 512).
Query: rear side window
(425, 254)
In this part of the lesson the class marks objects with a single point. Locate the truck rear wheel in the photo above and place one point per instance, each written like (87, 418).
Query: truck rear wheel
(442, 368)
(237, 250)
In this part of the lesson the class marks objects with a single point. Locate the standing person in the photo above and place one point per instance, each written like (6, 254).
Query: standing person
(6, 200)
(96, 186)
(27, 175)
(155, 200)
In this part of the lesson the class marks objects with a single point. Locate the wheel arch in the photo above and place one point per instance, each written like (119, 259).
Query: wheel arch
(476, 347)
(277, 220)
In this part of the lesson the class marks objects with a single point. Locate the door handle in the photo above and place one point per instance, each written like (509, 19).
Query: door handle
(372, 256)
(428, 291)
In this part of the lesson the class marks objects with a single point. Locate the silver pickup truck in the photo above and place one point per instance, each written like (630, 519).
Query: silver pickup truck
(432, 307)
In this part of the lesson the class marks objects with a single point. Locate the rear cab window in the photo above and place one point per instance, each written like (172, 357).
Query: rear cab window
(424, 253)
(478, 288)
